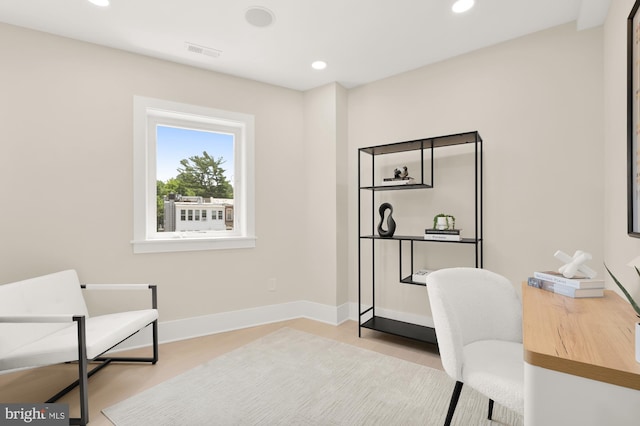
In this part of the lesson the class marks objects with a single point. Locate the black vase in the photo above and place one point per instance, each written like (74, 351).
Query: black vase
(391, 224)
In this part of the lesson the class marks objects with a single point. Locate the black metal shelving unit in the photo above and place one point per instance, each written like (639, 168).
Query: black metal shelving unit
(427, 147)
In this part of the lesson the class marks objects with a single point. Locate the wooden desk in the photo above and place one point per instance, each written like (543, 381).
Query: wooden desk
(580, 365)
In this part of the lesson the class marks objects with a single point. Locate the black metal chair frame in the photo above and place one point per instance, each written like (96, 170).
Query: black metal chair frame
(83, 372)
(454, 402)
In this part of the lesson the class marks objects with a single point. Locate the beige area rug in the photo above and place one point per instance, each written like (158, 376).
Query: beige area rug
(294, 378)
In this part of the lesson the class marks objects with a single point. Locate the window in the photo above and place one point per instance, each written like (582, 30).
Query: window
(222, 138)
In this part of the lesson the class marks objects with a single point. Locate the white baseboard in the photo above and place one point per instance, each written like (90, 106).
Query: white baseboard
(187, 328)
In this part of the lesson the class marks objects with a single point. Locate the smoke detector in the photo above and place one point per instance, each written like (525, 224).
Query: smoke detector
(259, 16)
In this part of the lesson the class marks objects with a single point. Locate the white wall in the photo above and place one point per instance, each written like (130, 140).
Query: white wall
(66, 115)
(538, 103)
(619, 248)
(325, 165)
(66, 166)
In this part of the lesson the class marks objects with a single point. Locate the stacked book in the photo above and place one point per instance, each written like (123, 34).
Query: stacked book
(571, 287)
(420, 276)
(442, 234)
(397, 181)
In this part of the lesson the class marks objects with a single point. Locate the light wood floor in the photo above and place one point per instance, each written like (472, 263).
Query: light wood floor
(117, 382)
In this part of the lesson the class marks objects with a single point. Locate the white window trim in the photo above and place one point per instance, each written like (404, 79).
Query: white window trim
(145, 237)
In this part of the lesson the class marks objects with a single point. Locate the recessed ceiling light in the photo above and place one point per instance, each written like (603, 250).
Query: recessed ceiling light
(259, 16)
(319, 65)
(101, 3)
(461, 6)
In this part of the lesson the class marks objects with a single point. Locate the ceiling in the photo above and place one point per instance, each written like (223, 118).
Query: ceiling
(361, 40)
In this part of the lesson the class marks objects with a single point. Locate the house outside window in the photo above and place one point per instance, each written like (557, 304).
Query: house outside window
(155, 226)
(194, 207)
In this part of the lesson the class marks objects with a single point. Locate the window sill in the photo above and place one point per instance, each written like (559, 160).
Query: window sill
(192, 244)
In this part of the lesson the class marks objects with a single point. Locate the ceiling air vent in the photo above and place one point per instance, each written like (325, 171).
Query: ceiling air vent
(202, 50)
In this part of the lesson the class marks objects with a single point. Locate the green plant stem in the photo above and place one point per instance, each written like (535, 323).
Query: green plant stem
(624, 290)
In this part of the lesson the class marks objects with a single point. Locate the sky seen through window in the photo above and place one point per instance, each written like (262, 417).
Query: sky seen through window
(174, 144)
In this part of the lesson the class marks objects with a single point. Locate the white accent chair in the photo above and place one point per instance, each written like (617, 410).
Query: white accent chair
(45, 321)
(477, 316)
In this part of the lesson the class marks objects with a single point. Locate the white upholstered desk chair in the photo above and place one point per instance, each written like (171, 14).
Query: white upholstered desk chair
(477, 315)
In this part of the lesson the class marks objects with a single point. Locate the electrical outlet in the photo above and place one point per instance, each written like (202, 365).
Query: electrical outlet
(271, 284)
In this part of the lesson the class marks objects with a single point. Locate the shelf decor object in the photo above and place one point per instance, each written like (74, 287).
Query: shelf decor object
(633, 122)
(574, 264)
(444, 221)
(372, 232)
(391, 224)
